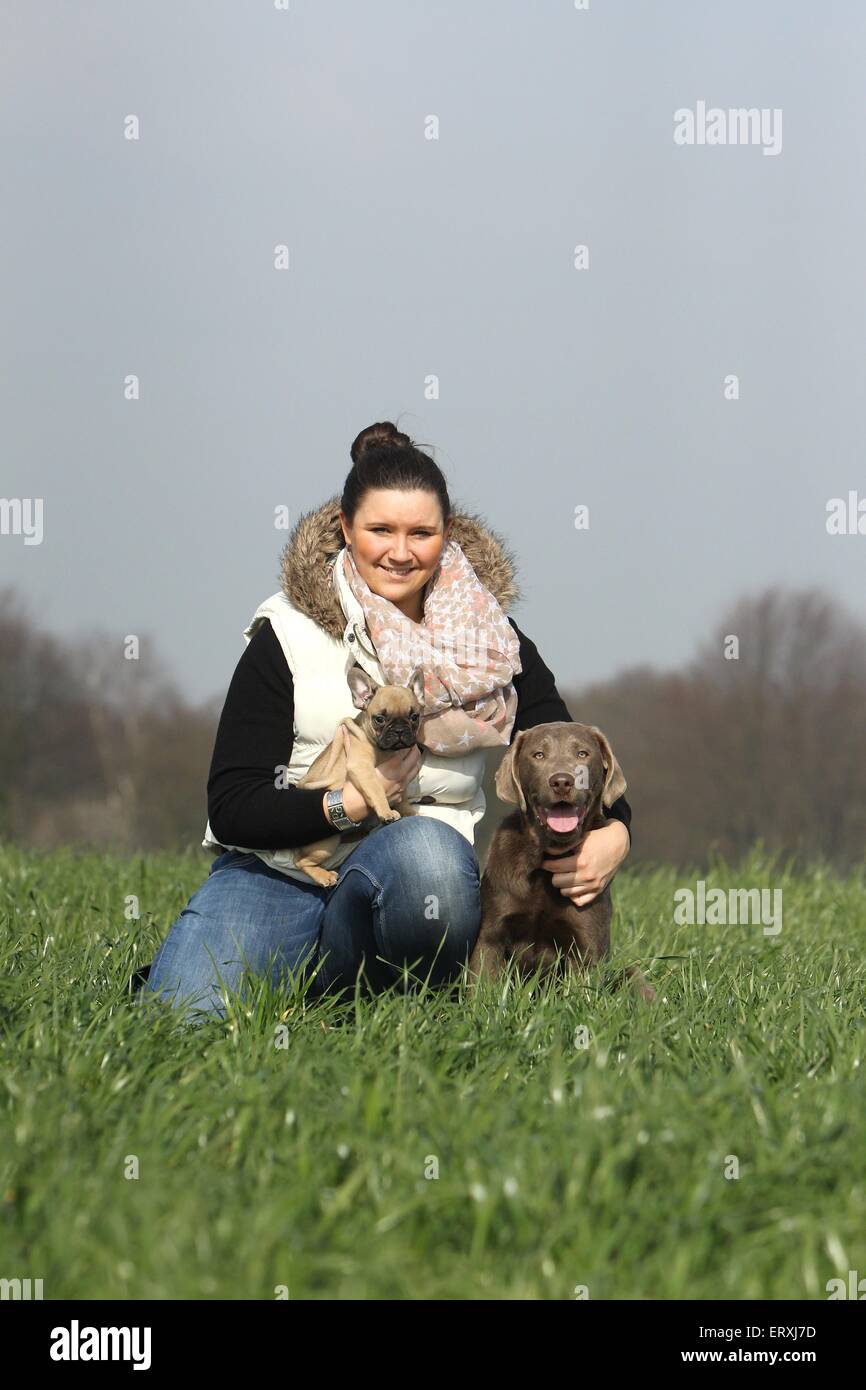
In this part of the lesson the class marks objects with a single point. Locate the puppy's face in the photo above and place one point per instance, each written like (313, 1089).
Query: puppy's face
(559, 774)
(390, 714)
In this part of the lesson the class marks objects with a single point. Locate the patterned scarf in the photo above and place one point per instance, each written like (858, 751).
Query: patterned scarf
(465, 646)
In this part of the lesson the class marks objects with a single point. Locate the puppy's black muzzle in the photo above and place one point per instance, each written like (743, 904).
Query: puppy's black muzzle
(398, 734)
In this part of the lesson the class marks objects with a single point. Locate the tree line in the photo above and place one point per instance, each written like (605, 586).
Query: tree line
(761, 735)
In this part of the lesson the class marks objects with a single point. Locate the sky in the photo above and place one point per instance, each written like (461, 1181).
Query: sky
(605, 386)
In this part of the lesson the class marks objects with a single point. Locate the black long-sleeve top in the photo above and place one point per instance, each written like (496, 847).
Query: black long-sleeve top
(254, 738)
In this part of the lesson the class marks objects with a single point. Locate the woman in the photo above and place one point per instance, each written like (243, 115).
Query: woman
(388, 577)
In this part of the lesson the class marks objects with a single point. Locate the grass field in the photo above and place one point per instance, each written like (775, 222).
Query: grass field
(309, 1167)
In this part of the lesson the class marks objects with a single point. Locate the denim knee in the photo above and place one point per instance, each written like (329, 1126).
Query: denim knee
(433, 889)
(434, 853)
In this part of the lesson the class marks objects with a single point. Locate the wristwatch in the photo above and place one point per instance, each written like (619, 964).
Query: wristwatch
(336, 812)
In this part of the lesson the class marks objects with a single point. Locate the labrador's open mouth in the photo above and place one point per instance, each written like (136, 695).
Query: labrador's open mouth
(561, 817)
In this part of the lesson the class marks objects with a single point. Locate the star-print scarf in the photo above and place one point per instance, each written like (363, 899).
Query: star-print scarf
(465, 645)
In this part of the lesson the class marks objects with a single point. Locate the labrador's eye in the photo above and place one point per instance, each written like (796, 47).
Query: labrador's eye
(582, 753)
(539, 753)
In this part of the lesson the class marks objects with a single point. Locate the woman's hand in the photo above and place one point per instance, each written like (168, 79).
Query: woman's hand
(583, 876)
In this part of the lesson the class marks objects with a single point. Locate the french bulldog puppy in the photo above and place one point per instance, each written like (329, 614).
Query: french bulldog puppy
(388, 720)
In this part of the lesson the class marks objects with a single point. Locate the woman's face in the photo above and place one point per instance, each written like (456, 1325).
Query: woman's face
(397, 531)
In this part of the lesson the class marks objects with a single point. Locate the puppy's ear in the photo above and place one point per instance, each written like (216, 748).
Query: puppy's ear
(415, 683)
(614, 782)
(362, 686)
(507, 782)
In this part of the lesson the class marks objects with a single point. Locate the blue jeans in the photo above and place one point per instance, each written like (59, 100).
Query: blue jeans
(408, 894)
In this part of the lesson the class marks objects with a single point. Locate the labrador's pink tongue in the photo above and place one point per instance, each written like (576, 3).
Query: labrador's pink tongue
(563, 819)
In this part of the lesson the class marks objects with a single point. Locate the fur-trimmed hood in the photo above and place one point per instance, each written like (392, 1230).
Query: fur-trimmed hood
(317, 537)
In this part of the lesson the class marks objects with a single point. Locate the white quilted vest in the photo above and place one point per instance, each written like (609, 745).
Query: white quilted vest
(319, 664)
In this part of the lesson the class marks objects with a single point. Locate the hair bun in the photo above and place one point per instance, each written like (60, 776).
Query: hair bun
(385, 434)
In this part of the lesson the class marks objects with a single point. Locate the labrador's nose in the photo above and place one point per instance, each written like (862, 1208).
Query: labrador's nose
(562, 784)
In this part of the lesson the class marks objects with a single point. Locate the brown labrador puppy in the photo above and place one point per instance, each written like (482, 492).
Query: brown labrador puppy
(562, 777)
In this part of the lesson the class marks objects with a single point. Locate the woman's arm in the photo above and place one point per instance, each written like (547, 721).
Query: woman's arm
(539, 702)
(254, 738)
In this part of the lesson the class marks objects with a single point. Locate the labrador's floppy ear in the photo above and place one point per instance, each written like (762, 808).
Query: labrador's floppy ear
(507, 782)
(614, 782)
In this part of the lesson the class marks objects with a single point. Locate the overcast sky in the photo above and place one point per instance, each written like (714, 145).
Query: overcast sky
(412, 257)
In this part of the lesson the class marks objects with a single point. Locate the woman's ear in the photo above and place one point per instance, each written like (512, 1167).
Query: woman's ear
(614, 782)
(507, 782)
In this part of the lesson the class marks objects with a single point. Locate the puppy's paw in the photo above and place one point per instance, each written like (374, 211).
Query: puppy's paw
(391, 815)
(326, 878)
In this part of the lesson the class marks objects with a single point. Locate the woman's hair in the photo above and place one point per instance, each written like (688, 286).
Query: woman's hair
(384, 457)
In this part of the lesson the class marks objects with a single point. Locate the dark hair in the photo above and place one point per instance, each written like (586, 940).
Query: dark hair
(382, 456)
